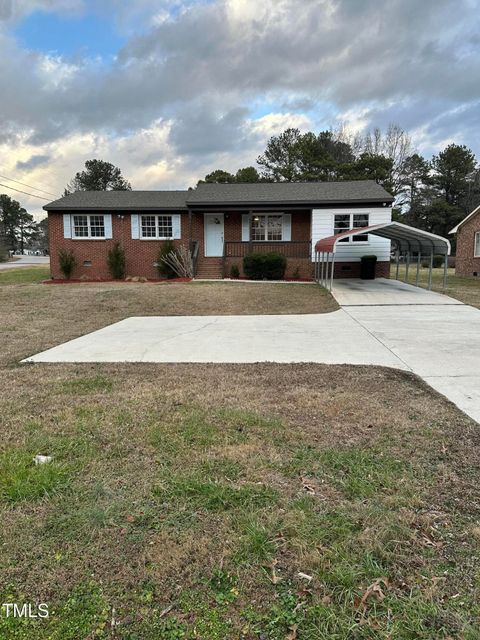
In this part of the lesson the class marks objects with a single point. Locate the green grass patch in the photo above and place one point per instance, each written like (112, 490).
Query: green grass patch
(359, 473)
(209, 494)
(24, 275)
(256, 545)
(83, 614)
(194, 427)
(21, 479)
(86, 385)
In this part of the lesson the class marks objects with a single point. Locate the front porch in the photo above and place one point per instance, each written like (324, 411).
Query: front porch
(222, 240)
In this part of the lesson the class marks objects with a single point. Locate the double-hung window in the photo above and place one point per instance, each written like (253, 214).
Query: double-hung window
(347, 221)
(159, 227)
(88, 226)
(267, 228)
(476, 252)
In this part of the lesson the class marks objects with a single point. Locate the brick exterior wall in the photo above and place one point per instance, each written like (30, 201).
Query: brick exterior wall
(304, 269)
(142, 254)
(465, 262)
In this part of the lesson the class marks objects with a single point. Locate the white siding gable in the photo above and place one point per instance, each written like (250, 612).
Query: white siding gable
(322, 227)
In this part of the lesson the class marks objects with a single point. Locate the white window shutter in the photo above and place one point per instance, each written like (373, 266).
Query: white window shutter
(107, 220)
(67, 225)
(135, 226)
(176, 227)
(245, 227)
(287, 227)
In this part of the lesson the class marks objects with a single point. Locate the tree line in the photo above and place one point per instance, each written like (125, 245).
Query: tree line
(433, 194)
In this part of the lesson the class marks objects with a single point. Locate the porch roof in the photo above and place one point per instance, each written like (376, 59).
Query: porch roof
(407, 238)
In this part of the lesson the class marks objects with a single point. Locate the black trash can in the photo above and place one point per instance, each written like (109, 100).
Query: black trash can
(367, 267)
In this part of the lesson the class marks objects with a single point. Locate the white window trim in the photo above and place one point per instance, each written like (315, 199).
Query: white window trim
(156, 216)
(476, 243)
(266, 215)
(349, 239)
(89, 236)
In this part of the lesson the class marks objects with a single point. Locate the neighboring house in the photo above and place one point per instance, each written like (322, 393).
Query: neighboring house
(467, 260)
(221, 223)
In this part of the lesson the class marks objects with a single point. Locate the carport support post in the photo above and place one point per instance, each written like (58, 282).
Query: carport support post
(418, 266)
(398, 262)
(407, 266)
(321, 267)
(333, 269)
(445, 271)
(430, 271)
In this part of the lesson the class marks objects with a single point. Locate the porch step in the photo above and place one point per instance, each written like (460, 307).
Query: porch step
(210, 269)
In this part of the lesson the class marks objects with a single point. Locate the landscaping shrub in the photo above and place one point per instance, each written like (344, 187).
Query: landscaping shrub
(116, 261)
(234, 271)
(67, 261)
(265, 266)
(180, 261)
(165, 270)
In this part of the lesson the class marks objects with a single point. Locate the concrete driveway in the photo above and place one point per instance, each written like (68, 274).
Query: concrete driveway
(382, 292)
(437, 338)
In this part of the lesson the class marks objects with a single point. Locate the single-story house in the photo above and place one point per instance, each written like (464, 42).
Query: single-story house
(467, 260)
(221, 223)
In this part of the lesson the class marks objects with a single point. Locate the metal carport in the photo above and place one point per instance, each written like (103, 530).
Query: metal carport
(408, 241)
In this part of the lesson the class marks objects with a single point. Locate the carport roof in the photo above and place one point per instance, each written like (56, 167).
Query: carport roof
(407, 238)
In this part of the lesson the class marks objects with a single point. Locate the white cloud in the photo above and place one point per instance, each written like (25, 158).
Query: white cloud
(181, 98)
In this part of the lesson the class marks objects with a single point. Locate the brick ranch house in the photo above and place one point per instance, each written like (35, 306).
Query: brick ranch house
(221, 223)
(467, 260)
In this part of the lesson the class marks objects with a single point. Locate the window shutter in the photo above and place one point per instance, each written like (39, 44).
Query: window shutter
(245, 227)
(287, 227)
(135, 226)
(107, 219)
(67, 225)
(176, 227)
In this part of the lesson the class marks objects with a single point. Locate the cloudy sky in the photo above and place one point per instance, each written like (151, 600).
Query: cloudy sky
(169, 89)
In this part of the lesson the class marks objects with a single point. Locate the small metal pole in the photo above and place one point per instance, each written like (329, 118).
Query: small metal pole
(322, 267)
(430, 271)
(398, 263)
(407, 265)
(333, 269)
(418, 267)
(445, 272)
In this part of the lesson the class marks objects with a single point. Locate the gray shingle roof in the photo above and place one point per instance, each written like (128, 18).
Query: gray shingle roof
(288, 192)
(226, 194)
(120, 200)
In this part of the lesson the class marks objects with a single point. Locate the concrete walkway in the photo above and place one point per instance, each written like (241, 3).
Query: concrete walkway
(437, 338)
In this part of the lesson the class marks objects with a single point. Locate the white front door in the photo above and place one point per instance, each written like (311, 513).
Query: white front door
(213, 223)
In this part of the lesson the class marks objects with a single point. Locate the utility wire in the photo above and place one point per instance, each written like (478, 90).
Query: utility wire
(28, 185)
(25, 192)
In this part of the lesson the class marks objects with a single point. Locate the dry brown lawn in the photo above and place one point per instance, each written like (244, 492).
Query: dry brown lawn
(185, 500)
(466, 290)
